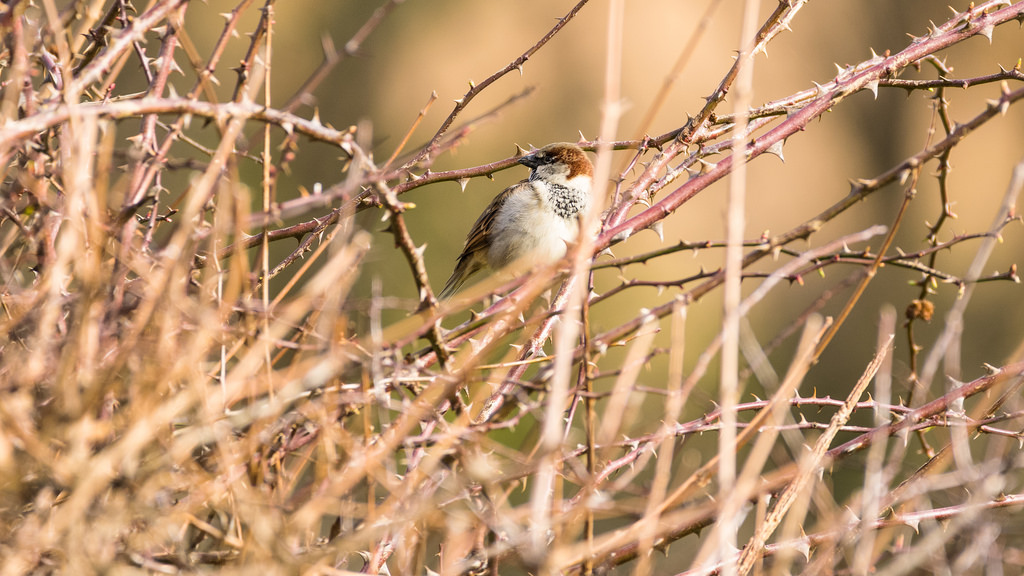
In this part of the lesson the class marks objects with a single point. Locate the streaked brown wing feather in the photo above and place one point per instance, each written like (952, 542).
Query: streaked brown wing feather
(479, 238)
(474, 254)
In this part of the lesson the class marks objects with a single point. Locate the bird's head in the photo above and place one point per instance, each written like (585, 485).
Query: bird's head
(562, 163)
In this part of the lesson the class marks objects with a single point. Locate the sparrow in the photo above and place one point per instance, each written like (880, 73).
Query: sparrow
(530, 223)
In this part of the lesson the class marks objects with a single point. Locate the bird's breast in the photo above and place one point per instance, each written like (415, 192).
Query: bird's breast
(535, 225)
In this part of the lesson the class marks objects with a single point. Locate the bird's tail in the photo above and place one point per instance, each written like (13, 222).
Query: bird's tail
(463, 270)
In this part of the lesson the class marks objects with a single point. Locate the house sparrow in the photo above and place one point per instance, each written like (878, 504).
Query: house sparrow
(531, 222)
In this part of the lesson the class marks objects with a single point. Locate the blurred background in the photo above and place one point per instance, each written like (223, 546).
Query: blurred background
(440, 46)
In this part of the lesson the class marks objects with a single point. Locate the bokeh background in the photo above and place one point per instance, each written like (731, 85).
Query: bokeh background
(440, 46)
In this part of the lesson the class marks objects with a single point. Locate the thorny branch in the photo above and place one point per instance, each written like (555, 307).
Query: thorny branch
(139, 393)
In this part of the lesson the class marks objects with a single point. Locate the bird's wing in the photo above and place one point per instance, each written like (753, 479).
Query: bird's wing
(478, 241)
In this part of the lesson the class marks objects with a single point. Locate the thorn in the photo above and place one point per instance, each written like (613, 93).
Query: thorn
(776, 149)
(913, 523)
(873, 86)
(659, 229)
(986, 31)
(804, 548)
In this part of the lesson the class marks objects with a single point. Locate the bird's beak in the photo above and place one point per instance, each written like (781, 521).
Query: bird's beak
(530, 160)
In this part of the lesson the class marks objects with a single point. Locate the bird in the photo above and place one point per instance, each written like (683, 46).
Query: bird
(532, 222)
